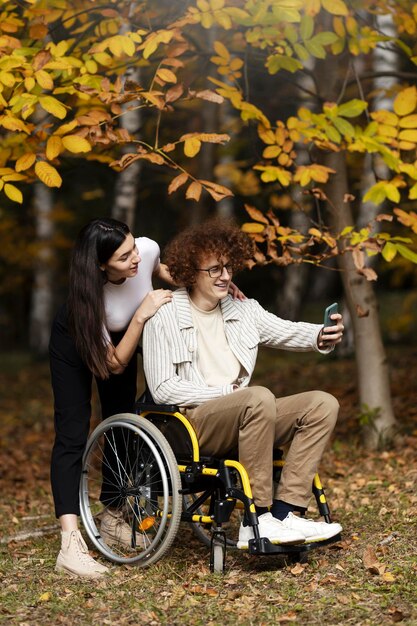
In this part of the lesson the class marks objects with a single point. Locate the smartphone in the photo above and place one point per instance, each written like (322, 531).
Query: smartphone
(333, 308)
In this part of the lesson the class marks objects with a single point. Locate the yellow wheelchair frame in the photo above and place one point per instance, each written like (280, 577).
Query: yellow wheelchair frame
(154, 474)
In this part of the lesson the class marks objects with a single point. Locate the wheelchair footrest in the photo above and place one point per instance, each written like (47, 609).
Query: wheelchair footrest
(264, 546)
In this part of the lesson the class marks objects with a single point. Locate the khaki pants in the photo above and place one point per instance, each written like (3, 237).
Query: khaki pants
(253, 421)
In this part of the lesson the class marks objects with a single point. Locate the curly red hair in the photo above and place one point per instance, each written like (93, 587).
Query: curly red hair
(184, 253)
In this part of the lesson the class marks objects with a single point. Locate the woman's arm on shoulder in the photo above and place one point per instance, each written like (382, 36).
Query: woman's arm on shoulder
(119, 356)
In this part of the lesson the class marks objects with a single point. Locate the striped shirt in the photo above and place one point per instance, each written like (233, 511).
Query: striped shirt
(170, 346)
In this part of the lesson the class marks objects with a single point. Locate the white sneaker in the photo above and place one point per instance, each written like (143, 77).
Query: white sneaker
(271, 528)
(312, 531)
(115, 530)
(74, 558)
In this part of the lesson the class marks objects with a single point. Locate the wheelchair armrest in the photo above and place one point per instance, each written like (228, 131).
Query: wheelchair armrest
(156, 408)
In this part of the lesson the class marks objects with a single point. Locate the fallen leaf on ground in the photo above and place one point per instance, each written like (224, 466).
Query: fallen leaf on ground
(44, 597)
(371, 562)
(395, 614)
(291, 616)
(207, 591)
(298, 569)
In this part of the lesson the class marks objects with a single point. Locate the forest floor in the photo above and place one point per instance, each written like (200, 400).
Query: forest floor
(369, 578)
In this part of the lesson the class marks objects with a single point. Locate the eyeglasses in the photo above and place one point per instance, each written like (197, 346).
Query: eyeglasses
(217, 270)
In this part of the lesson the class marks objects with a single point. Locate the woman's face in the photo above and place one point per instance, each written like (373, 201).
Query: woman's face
(123, 263)
(212, 281)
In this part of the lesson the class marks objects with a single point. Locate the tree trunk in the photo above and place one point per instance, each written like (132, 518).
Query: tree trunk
(127, 182)
(126, 188)
(371, 361)
(42, 290)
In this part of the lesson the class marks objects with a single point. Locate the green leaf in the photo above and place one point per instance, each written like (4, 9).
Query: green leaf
(278, 62)
(344, 127)
(353, 108)
(306, 27)
(315, 49)
(325, 38)
(301, 52)
(407, 253)
(333, 134)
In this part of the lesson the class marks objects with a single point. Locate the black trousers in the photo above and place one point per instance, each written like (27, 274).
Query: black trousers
(72, 385)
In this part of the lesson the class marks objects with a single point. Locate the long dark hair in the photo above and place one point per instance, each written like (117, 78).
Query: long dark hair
(95, 244)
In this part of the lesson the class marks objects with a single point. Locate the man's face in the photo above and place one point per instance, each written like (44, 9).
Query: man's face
(213, 280)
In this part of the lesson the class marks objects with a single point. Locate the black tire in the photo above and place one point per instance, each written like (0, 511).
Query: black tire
(141, 479)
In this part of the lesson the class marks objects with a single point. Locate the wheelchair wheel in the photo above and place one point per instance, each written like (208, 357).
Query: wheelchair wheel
(129, 467)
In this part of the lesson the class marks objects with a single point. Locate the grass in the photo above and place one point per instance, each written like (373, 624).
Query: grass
(366, 579)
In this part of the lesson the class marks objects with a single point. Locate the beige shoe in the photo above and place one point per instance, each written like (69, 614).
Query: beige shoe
(75, 559)
(114, 530)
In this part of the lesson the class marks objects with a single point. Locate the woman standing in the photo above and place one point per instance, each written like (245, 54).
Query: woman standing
(96, 333)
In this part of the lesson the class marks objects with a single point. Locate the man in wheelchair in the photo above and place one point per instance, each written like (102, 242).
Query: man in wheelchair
(199, 353)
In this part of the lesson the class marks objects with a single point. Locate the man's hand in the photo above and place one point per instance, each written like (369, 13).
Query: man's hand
(331, 335)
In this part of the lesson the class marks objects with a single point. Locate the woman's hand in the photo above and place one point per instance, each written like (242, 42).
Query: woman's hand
(151, 303)
(329, 336)
(236, 293)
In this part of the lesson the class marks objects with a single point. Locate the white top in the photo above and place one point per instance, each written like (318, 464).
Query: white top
(121, 301)
(215, 360)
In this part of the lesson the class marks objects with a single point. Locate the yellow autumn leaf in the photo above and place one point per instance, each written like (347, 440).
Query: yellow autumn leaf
(222, 51)
(25, 161)
(203, 5)
(335, 7)
(166, 75)
(44, 79)
(406, 145)
(284, 177)
(392, 192)
(76, 144)
(29, 83)
(192, 147)
(53, 106)
(128, 46)
(252, 227)
(53, 147)
(409, 121)
(115, 46)
(312, 7)
(266, 134)
(385, 117)
(406, 101)
(412, 194)
(7, 78)
(45, 597)
(408, 135)
(389, 251)
(386, 130)
(12, 123)
(315, 232)
(48, 174)
(13, 193)
(66, 128)
(103, 58)
(271, 152)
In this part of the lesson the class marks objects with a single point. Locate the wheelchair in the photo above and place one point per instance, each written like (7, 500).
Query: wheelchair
(148, 466)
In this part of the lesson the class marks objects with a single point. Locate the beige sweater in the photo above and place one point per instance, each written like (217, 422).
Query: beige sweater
(170, 345)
